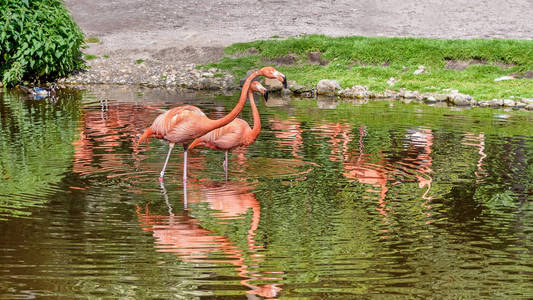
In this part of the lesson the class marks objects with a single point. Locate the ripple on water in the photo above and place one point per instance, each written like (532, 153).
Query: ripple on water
(386, 202)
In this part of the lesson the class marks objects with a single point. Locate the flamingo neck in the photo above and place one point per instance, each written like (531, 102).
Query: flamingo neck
(257, 120)
(146, 136)
(237, 109)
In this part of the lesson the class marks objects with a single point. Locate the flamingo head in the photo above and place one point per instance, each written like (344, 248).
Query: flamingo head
(256, 86)
(272, 73)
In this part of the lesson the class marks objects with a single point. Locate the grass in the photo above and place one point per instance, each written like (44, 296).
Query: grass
(371, 61)
(92, 39)
(89, 56)
(139, 61)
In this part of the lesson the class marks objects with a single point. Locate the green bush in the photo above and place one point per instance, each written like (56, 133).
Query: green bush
(38, 39)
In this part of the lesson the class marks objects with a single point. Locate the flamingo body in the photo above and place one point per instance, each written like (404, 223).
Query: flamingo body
(179, 125)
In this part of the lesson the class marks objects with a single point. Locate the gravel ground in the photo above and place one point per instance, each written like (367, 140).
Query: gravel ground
(158, 42)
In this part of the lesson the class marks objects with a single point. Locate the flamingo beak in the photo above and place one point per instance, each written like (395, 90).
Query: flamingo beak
(281, 78)
(284, 82)
(265, 95)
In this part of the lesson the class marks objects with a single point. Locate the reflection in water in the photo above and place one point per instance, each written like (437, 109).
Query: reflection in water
(477, 141)
(185, 236)
(106, 134)
(375, 169)
(372, 201)
(288, 133)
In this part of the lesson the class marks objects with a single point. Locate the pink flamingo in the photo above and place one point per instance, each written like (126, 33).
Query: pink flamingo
(183, 124)
(237, 133)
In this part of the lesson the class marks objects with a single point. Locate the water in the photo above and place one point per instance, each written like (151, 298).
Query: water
(382, 200)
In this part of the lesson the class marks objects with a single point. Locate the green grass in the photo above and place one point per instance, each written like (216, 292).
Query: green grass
(92, 39)
(139, 61)
(372, 61)
(89, 56)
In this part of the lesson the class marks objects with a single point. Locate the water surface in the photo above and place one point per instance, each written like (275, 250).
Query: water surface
(346, 200)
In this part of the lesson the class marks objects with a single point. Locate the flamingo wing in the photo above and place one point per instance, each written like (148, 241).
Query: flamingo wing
(180, 124)
(229, 136)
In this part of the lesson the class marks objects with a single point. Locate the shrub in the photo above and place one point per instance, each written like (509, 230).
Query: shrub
(38, 39)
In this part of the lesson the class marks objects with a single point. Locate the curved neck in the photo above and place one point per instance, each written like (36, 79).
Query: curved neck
(237, 109)
(257, 120)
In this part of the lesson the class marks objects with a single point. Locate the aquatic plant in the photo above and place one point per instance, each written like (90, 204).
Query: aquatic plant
(38, 39)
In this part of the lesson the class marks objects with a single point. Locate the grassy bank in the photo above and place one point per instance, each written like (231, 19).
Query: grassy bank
(469, 66)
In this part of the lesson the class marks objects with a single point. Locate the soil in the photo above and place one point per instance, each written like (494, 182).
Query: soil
(196, 31)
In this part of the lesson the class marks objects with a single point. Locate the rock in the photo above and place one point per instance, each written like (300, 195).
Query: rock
(520, 105)
(273, 85)
(529, 106)
(441, 97)
(527, 100)
(508, 103)
(308, 94)
(495, 103)
(430, 99)
(483, 103)
(410, 94)
(420, 70)
(460, 99)
(504, 78)
(357, 91)
(327, 87)
(297, 88)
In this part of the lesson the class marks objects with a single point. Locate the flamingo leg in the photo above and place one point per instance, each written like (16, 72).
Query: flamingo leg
(170, 146)
(225, 164)
(185, 165)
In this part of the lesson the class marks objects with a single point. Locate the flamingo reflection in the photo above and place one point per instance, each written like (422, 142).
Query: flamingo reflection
(369, 169)
(375, 169)
(185, 236)
(477, 141)
(289, 133)
(102, 131)
(421, 141)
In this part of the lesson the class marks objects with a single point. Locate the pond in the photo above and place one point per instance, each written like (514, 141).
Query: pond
(334, 200)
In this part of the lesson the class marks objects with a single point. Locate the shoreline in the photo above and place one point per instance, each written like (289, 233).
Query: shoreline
(160, 44)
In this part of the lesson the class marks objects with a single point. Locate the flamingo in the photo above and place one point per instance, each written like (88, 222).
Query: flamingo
(183, 124)
(237, 133)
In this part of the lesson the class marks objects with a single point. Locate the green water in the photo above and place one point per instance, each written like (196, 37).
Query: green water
(382, 200)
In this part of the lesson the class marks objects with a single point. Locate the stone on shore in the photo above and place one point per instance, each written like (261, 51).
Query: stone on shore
(460, 99)
(420, 70)
(508, 103)
(357, 91)
(297, 88)
(273, 85)
(327, 87)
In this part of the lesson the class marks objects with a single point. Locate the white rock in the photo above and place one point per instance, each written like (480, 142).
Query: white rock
(504, 78)
(327, 86)
(508, 103)
(420, 70)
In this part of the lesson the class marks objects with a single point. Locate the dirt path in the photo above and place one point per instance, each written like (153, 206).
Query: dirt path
(196, 31)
